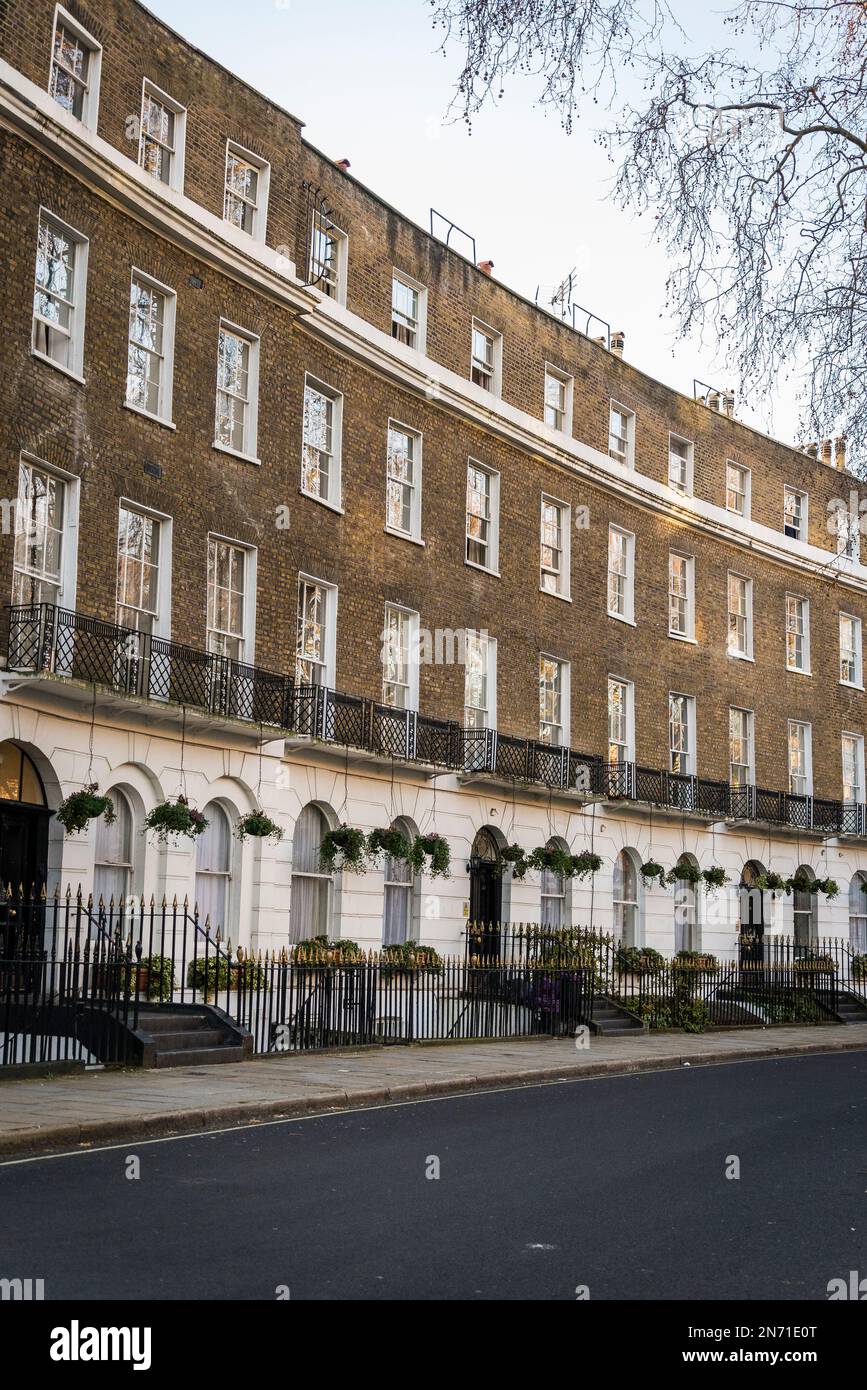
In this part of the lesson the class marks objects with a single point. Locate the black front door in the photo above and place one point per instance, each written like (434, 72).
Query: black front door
(486, 894)
(752, 925)
(23, 849)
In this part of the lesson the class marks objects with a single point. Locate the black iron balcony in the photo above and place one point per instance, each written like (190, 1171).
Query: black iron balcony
(43, 638)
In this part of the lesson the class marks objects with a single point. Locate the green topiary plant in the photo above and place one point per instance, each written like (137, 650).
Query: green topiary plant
(436, 849)
(175, 818)
(78, 809)
(259, 826)
(343, 848)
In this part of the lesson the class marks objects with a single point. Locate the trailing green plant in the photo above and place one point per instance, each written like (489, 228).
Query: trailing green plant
(639, 960)
(714, 877)
(409, 955)
(318, 950)
(586, 863)
(392, 843)
(553, 859)
(651, 871)
(258, 826)
(343, 848)
(517, 859)
(176, 817)
(435, 849)
(771, 883)
(219, 973)
(802, 883)
(79, 808)
(153, 976)
(685, 873)
(696, 960)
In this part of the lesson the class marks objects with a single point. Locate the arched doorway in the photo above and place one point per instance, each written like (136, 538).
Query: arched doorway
(752, 914)
(486, 880)
(24, 817)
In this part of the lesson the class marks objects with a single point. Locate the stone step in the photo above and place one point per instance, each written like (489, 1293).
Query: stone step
(191, 1038)
(168, 1021)
(199, 1056)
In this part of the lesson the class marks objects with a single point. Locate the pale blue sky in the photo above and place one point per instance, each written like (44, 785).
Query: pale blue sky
(366, 78)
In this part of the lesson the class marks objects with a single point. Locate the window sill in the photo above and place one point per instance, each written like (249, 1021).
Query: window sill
(741, 516)
(741, 656)
(682, 637)
(323, 501)
(552, 593)
(236, 453)
(403, 536)
(146, 415)
(851, 685)
(621, 618)
(483, 569)
(58, 366)
(797, 671)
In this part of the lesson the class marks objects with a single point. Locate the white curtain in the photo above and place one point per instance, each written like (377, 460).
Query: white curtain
(858, 914)
(112, 858)
(213, 857)
(311, 889)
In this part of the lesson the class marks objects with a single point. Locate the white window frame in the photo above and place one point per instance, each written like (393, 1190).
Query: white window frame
(747, 654)
(90, 103)
(247, 649)
(68, 572)
(420, 344)
(629, 711)
(162, 625)
(858, 741)
(626, 457)
(175, 180)
(847, 529)
(857, 651)
(414, 533)
(339, 267)
(564, 727)
(251, 412)
(329, 662)
(164, 414)
(685, 489)
(563, 576)
(690, 754)
(496, 372)
(263, 187)
(490, 708)
(493, 567)
(751, 746)
(689, 596)
(798, 493)
(412, 656)
(568, 384)
(334, 500)
(628, 578)
(804, 669)
(77, 305)
(807, 774)
(746, 492)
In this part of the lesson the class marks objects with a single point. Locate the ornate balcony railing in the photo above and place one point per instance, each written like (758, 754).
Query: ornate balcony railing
(42, 638)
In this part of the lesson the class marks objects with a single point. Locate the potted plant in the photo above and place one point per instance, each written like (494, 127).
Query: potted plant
(695, 960)
(392, 843)
(652, 872)
(259, 826)
(714, 877)
(318, 950)
(553, 859)
(176, 817)
(516, 858)
(409, 955)
(685, 873)
(638, 960)
(79, 808)
(152, 977)
(343, 848)
(435, 848)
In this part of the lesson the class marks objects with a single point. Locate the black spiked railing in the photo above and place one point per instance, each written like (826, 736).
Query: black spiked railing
(43, 638)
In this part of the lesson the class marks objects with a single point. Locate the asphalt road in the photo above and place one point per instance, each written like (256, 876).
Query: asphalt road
(617, 1184)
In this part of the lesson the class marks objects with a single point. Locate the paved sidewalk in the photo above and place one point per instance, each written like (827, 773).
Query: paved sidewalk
(39, 1116)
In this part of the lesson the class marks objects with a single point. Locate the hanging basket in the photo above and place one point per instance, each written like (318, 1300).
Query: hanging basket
(343, 848)
(685, 873)
(176, 817)
(77, 810)
(392, 843)
(802, 884)
(651, 872)
(435, 848)
(258, 826)
(714, 877)
(772, 883)
(515, 858)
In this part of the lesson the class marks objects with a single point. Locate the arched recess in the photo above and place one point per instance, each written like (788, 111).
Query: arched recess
(628, 898)
(687, 901)
(555, 892)
(314, 908)
(31, 839)
(858, 912)
(751, 907)
(401, 896)
(490, 888)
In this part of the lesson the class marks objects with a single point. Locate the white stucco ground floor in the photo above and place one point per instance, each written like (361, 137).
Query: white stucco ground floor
(264, 895)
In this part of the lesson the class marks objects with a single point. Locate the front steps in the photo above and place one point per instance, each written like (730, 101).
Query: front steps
(850, 1008)
(610, 1020)
(183, 1035)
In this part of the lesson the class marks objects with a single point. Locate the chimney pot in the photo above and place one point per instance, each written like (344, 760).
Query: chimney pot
(713, 400)
(485, 267)
(840, 451)
(618, 342)
(812, 449)
(826, 454)
(343, 164)
(728, 403)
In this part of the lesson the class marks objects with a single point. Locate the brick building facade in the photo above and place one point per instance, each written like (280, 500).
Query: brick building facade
(406, 452)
